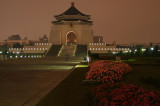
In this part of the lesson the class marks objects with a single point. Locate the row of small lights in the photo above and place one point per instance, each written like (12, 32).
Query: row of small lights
(97, 43)
(123, 52)
(27, 48)
(135, 51)
(22, 56)
(43, 44)
(11, 52)
(145, 49)
(108, 48)
(33, 56)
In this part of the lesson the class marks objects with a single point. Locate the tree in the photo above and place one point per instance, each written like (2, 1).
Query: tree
(4, 49)
(132, 52)
(120, 53)
(17, 45)
(155, 51)
(89, 53)
(139, 51)
(147, 52)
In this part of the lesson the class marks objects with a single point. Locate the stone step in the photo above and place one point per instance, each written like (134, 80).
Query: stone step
(68, 50)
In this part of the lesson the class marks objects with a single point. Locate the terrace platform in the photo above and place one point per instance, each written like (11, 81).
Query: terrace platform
(23, 82)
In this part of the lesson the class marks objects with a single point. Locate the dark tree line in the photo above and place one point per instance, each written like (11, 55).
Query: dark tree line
(17, 45)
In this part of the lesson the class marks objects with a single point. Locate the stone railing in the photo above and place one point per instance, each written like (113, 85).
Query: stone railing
(19, 49)
(118, 49)
(97, 44)
(43, 44)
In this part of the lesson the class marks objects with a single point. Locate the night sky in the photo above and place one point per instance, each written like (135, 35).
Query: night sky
(124, 21)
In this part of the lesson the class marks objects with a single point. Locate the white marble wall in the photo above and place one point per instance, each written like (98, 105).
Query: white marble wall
(59, 32)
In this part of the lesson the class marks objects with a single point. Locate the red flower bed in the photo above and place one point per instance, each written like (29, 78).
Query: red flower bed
(104, 71)
(121, 94)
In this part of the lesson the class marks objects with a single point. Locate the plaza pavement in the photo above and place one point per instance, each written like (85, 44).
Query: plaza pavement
(24, 82)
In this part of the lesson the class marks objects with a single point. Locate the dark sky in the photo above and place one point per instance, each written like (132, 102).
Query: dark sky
(123, 21)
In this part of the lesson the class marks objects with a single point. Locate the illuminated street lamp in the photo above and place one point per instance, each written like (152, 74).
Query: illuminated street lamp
(143, 50)
(152, 48)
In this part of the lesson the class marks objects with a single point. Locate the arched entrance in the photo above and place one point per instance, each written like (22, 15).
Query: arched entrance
(71, 38)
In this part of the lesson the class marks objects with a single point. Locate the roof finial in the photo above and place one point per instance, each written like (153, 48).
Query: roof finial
(72, 4)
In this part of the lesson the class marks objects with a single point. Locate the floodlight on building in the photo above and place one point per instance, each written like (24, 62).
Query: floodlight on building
(21, 56)
(28, 56)
(25, 56)
(31, 56)
(16, 56)
(34, 56)
(88, 59)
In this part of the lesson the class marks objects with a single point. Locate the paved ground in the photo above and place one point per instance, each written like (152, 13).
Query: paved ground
(24, 82)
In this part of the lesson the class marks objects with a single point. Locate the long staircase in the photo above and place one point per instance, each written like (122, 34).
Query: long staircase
(67, 50)
(54, 50)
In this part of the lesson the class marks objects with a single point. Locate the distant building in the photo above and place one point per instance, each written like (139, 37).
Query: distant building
(43, 39)
(12, 42)
(32, 42)
(14, 37)
(97, 39)
(114, 43)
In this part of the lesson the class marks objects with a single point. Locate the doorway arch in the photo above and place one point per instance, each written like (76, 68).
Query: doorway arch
(71, 38)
